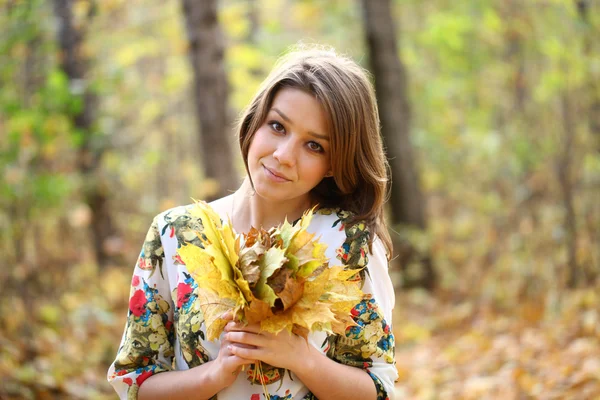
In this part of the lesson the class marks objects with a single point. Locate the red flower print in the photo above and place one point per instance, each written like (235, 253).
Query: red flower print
(137, 303)
(121, 372)
(135, 281)
(128, 381)
(172, 232)
(143, 376)
(178, 259)
(183, 294)
(255, 396)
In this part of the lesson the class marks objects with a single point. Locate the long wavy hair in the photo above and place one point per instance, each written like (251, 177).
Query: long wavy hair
(359, 167)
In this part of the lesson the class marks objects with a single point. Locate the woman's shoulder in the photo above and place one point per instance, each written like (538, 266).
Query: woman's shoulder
(182, 224)
(183, 215)
(350, 237)
(341, 220)
(175, 217)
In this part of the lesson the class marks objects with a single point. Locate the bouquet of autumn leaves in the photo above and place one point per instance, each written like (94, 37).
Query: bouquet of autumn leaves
(279, 278)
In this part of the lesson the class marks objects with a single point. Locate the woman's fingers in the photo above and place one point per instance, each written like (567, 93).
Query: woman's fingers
(231, 361)
(248, 354)
(227, 316)
(246, 346)
(245, 339)
(238, 360)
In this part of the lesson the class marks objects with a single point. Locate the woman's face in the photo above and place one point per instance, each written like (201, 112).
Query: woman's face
(290, 152)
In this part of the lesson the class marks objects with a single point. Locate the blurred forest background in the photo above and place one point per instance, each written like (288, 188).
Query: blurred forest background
(112, 111)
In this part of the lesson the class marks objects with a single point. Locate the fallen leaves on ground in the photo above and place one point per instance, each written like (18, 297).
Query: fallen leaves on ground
(451, 349)
(60, 332)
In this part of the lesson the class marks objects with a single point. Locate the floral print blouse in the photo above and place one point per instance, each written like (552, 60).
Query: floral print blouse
(165, 328)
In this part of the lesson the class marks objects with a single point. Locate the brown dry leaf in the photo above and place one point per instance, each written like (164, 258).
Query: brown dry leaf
(252, 237)
(278, 279)
(325, 305)
(257, 310)
(289, 290)
(249, 266)
(271, 261)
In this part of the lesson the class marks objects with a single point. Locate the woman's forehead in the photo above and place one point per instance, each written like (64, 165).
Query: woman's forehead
(301, 109)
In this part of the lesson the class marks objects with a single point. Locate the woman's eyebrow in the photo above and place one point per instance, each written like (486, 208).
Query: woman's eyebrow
(286, 118)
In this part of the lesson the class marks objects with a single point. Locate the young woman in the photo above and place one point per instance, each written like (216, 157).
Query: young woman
(309, 137)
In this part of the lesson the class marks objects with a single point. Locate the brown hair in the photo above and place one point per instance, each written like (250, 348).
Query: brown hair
(360, 171)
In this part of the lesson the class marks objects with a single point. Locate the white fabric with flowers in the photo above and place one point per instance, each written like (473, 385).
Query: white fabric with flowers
(165, 328)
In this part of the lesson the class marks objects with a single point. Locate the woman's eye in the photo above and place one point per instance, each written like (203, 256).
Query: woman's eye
(314, 146)
(277, 127)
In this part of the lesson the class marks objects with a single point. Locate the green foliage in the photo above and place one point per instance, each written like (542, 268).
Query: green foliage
(36, 105)
(487, 82)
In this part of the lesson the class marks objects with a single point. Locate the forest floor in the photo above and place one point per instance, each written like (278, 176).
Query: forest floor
(60, 330)
(451, 349)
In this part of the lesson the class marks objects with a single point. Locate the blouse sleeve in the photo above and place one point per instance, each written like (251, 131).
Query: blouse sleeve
(147, 344)
(370, 344)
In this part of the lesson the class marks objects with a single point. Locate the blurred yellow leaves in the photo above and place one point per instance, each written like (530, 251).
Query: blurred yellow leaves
(233, 20)
(411, 332)
(244, 61)
(126, 56)
(49, 314)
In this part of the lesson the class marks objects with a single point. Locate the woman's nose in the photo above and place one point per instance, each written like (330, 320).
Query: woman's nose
(285, 152)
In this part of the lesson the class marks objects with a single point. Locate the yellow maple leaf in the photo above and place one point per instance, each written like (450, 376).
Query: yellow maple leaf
(216, 295)
(216, 239)
(287, 232)
(230, 243)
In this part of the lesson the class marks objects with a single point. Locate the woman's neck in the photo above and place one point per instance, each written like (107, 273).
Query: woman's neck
(251, 210)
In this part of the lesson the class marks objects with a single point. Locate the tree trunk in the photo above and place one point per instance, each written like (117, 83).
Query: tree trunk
(253, 19)
(206, 53)
(564, 167)
(591, 94)
(74, 65)
(407, 201)
(583, 9)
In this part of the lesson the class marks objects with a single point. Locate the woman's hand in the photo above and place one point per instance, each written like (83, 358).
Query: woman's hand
(227, 364)
(283, 350)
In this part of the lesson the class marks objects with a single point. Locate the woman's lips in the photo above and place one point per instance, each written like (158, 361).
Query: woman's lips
(275, 176)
